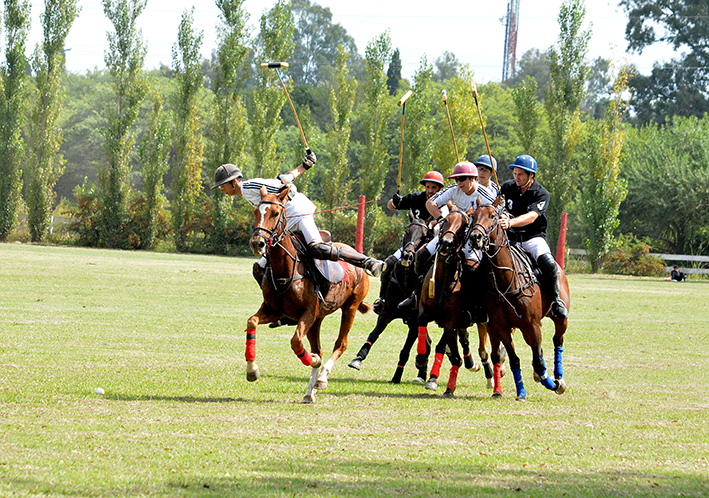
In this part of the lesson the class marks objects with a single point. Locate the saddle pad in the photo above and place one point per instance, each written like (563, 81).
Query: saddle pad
(331, 270)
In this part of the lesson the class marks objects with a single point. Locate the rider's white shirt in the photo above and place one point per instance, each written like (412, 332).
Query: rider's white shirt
(488, 194)
(460, 199)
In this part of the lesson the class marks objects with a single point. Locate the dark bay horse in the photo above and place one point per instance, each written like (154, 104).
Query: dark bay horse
(402, 283)
(515, 300)
(442, 300)
(288, 290)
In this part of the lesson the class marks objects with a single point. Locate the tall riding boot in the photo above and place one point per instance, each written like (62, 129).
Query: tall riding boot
(322, 250)
(258, 272)
(420, 262)
(550, 271)
(389, 264)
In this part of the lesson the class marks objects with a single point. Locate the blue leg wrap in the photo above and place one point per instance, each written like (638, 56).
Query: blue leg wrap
(517, 373)
(558, 368)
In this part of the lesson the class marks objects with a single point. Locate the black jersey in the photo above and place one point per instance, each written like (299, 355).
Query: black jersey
(535, 198)
(416, 202)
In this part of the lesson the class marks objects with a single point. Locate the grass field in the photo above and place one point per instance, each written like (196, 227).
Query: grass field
(163, 335)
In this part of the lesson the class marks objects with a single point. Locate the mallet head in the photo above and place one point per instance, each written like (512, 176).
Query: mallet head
(405, 97)
(274, 65)
(474, 88)
(444, 96)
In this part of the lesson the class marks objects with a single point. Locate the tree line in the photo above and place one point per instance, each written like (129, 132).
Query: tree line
(130, 152)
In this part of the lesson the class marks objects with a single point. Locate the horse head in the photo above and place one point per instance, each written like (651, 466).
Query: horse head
(452, 233)
(269, 225)
(415, 235)
(486, 225)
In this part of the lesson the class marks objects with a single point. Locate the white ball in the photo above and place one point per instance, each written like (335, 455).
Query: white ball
(99, 390)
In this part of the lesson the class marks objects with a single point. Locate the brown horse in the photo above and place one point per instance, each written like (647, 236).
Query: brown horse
(288, 290)
(442, 299)
(515, 300)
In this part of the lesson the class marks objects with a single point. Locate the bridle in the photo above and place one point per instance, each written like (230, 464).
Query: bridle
(486, 233)
(411, 246)
(457, 244)
(277, 231)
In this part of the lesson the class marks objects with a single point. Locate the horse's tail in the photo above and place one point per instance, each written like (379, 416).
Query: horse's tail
(365, 307)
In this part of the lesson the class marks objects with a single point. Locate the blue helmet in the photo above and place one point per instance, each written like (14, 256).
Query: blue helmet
(525, 162)
(484, 160)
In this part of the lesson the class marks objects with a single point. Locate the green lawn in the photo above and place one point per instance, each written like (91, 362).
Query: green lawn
(163, 335)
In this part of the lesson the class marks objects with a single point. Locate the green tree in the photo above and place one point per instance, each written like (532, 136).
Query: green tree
(317, 39)
(336, 181)
(394, 72)
(187, 169)
(447, 67)
(528, 113)
(44, 164)
(667, 170)
(419, 128)
(602, 188)
(275, 43)
(562, 103)
(13, 101)
(375, 111)
(230, 122)
(534, 63)
(154, 152)
(124, 59)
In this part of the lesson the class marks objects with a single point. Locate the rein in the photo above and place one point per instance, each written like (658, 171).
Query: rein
(274, 239)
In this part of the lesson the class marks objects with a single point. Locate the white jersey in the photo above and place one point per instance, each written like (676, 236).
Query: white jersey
(298, 208)
(460, 199)
(488, 194)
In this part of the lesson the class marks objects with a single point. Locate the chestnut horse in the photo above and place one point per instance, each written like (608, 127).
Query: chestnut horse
(442, 300)
(288, 290)
(515, 300)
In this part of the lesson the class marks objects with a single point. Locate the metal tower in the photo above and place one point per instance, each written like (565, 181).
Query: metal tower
(508, 61)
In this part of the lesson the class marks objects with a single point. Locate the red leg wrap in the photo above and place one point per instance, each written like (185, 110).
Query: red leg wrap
(250, 345)
(436, 370)
(496, 368)
(421, 346)
(453, 378)
(305, 357)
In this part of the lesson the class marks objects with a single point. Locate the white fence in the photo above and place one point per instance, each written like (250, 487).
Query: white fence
(668, 257)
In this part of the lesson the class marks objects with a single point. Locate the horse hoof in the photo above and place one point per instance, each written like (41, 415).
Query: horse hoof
(418, 380)
(490, 384)
(521, 398)
(476, 367)
(253, 376)
(497, 394)
(432, 385)
(321, 385)
(449, 393)
(395, 381)
(503, 371)
(561, 389)
(317, 361)
(536, 377)
(308, 399)
(356, 363)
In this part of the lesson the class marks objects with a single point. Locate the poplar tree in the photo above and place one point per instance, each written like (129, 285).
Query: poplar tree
(528, 110)
(569, 72)
(275, 44)
(187, 170)
(230, 123)
(376, 110)
(45, 165)
(124, 59)
(336, 182)
(13, 101)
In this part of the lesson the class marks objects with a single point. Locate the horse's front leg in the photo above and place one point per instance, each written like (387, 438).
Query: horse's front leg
(432, 383)
(263, 315)
(468, 361)
(484, 355)
(455, 360)
(540, 368)
(296, 343)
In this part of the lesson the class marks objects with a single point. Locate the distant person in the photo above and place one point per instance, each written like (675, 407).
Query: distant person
(676, 275)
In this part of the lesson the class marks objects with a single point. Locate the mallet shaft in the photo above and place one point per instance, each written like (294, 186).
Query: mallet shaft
(444, 95)
(474, 88)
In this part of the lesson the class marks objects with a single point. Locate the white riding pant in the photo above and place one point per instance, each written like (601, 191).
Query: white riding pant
(304, 224)
(536, 246)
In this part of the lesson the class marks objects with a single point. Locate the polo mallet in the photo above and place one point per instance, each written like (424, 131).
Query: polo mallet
(432, 280)
(402, 104)
(444, 95)
(480, 115)
(277, 66)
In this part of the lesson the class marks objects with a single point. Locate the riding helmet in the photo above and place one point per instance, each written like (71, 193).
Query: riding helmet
(525, 162)
(464, 168)
(484, 160)
(226, 173)
(432, 176)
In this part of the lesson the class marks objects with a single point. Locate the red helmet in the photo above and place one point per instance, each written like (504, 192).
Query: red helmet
(432, 176)
(464, 168)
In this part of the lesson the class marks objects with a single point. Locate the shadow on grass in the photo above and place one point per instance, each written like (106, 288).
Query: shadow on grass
(324, 474)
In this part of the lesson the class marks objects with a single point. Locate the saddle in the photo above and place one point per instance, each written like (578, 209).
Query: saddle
(329, 272)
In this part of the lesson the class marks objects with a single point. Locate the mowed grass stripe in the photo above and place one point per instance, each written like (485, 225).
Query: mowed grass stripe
(163, 334)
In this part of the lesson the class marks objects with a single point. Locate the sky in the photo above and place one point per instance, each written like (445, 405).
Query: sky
(472, 30)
